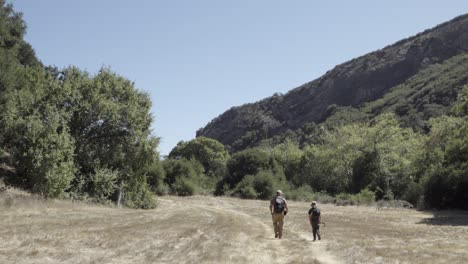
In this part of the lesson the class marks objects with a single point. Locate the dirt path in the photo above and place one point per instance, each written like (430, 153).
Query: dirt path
(254, 240)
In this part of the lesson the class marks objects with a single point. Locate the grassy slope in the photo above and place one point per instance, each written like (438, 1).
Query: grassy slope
(222, 230)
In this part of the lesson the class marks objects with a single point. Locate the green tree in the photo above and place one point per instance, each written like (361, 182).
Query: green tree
(260, 186)
(103, 184)
(329, 166)
(321, 170)
(37, 133)
(62, 127)
(110, 122)
(461, 108)
(365, 170)
(184, 168)
(395, 149)
(12, 30)
(246, 162)
(186, 177)
(12, 26)
(156, 177)
(209, 152)
(444, 164)
(361, 155)
(288, 155)
(15, 53)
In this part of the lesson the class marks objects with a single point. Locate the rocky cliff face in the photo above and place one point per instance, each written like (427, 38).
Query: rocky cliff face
(352, 83)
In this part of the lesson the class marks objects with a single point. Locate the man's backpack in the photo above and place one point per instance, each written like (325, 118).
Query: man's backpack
(279, 204)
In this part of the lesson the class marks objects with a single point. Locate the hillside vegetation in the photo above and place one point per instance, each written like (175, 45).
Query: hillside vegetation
(354, 83)
(429, 93)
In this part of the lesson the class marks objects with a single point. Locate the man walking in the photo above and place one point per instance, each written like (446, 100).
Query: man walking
(315, 219)
(278, 209)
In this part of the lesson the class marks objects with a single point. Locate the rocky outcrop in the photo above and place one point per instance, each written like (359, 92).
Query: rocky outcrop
(353, 83)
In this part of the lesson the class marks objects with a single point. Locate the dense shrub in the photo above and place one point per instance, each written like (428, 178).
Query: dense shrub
(263, 184)
(245, 188)
(103, 184)
(323, 197)
(186, 177)
(247, 162)
(413, 194)
(303, 193)
(137, 194)
(365, 197)
(259, 186)
(156, 175)
(184, 186)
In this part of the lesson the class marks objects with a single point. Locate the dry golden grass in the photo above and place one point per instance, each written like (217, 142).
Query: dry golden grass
(221, 230)
(364, 235)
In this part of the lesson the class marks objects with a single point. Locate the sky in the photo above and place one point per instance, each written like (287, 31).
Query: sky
(198, 58)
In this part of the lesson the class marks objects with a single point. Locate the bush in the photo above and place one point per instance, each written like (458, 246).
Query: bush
(222, 187)
(263, 184)
(185, 177)
(344, 196)
(184, 187)
(137, 194)
(162, 189)
(103, 184)
(323, 197)
(79, 188)
(413, 193)
(259, 186)
(245, 188)
(365, 197)
(303, 193)
(144, 199)
(156, 174)
(246, 162)
(344, 199)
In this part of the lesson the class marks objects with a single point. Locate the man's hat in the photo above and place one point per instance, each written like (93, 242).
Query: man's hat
(279, 192)
(313, 203)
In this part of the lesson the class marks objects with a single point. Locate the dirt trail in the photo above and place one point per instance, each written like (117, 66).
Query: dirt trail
(249, 231)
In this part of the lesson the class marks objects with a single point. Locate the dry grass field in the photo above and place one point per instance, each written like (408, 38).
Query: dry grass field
(222, 230)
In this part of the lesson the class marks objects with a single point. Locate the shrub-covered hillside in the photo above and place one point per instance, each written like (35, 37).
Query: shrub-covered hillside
(422, 58)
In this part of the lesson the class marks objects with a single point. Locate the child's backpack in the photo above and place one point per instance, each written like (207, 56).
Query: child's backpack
(315, 214)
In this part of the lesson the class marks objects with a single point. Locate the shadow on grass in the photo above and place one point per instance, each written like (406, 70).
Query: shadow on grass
(447, 218)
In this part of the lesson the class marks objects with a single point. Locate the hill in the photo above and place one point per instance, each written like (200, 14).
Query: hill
(420, 67)
(222, 230)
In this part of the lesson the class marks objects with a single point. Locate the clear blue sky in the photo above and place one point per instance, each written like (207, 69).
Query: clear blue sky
(198, 58)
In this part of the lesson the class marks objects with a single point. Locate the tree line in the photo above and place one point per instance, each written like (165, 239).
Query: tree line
(370, 161)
